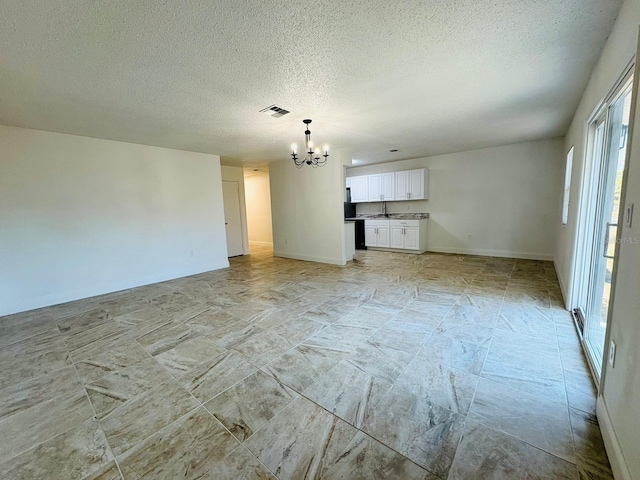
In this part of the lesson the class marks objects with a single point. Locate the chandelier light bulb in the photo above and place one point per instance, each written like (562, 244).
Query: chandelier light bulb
(294, 148)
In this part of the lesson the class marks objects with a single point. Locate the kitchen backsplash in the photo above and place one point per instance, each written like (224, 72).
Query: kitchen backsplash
(413, 206)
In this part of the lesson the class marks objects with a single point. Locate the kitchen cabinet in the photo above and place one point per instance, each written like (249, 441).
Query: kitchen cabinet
(359, 188)
(382, 187)
(412, 184)
(397, 234)
(376, 233)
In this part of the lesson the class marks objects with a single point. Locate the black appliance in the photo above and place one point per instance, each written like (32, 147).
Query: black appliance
(360, 235)
(349, 210)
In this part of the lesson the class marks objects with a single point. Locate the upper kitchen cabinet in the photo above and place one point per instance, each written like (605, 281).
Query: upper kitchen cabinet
(359, 189)
(412, 184)
(382, 187)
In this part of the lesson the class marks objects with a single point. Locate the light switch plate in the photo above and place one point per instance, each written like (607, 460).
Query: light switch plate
(612, 353)
(629, 215)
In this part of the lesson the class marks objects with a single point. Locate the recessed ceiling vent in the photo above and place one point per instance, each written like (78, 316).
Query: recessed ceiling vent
(274, 111)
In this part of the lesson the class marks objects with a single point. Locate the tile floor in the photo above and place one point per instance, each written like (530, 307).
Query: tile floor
(396, 366)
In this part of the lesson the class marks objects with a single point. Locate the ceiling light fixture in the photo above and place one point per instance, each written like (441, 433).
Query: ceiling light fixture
(310, 157)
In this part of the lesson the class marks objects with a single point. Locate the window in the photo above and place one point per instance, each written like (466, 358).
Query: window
(567, 187)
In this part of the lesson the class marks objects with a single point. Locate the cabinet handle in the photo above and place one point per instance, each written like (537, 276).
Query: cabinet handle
(409, 195)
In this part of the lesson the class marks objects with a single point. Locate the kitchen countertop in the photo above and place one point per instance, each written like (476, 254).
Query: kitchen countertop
(391, 216)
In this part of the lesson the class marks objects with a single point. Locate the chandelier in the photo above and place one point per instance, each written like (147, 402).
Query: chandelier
(310, 157)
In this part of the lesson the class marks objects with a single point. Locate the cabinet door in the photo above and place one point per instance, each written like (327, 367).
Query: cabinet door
(416, 184)
(375, 195)
(397, 237)
(388, 186)
(412, 238)
(359, 189)
(370, 237)
(402, 185)
(383, 236)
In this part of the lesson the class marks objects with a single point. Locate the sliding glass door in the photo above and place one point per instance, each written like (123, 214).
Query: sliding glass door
(600, 220)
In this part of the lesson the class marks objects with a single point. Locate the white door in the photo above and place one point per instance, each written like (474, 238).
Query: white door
(375, 194)
(387, 186)
(402, 185)
(416, 184)
(411, 238)
(397, 237)
(370, 239)
(383, 236)
(232, 218)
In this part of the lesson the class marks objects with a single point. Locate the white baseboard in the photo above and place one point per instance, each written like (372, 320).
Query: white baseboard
(260, 244)
(616, 458)
(25, 304)
(493, 253)
(309, 258)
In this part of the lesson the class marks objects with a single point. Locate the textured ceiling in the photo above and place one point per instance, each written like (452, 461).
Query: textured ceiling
(424, 77)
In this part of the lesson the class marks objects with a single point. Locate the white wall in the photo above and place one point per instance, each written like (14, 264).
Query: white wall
(616, 54)
(258, 199)
(504, 197)
(82, 216)
(236, 174)
(619, 404)
(307, 208)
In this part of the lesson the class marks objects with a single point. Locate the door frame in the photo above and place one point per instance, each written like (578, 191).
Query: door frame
(242, 245)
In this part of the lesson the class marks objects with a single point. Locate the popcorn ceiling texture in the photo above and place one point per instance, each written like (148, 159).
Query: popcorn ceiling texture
(425, 77)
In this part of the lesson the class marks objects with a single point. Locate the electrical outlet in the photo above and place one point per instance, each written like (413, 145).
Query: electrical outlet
(629, 215)
(612, 353)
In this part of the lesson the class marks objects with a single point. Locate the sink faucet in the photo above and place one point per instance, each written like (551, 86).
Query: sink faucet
(384, 209)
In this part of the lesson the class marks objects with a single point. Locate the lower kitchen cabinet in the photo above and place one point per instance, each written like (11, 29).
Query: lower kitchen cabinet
(376, 233)
(397, 234)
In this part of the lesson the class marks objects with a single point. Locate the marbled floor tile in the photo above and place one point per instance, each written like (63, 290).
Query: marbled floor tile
(348, 392)
(210, 378)
(581, 392)
(439, 383)
(41, 423)
(166, 337)
(301, 366)
(486, 454)
(591, 455)
(424, 432)
(190, 447)
(531, 418)
(455, 353)
(342, 338)
(473, 315)
(109, 471)
(263, 347)
(434, 297)
(116, 388)
(125, 304)
(69, 327)
(533, 367)
(379, 361)
(305, 441)
(326, 313)
(97, 359)
(145, 414)
(142, 321)
(481, 302)
(32, 357)
(526, 295)
(528, 320)
(248, 405)
(465, 332)
(298, 329)
(210, 321)
(240, 464)
(68, 309)
(24, 395)
(104, 331)
(247, 311)
(20, 326)
(389, 337)
(234, 332)
(76, 453)
(175, 302)
(184, 357)
(366, 316)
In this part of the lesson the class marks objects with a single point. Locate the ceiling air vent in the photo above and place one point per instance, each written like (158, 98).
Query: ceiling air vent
(274, 111)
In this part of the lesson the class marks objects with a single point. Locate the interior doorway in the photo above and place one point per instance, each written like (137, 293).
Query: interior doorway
(602, 191)
(232, 218)
(257, 191)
